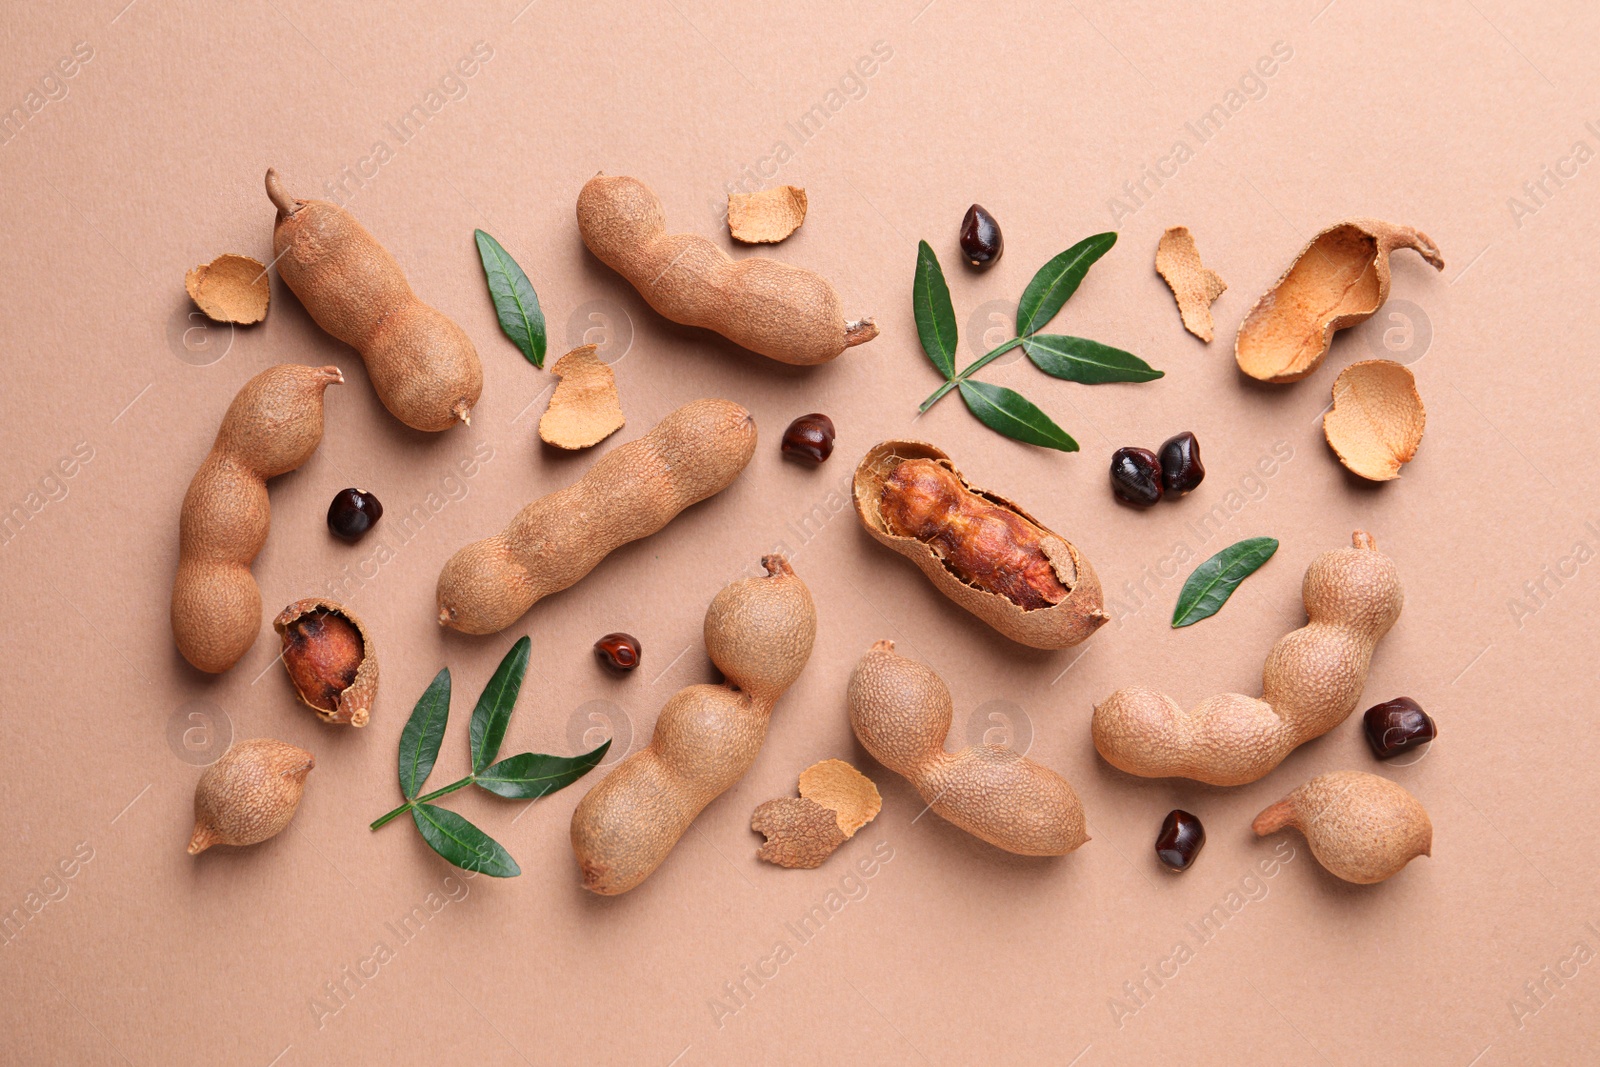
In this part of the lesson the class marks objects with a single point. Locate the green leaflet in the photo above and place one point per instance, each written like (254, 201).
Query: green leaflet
(462, 843)
(515, 302)
(532, 775)
(936, 317)
(1078, 359)
(493, 713)
(423, 734)
(1008, 412)
(1214, 581)
(1057, 280)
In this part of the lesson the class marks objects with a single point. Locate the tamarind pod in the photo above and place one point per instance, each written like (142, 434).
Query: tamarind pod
(784, 312)
(1311, 682)
(633, 491)
(272, 426)
(422, 365)
(901, 712)
(1361, 827)
(759, 632)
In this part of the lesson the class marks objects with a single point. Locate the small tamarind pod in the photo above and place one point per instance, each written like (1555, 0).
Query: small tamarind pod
(784, 312)
(421, 363)
(901, 712)
(1311, 683)
(633, 491)
(249, 794)
(1361, 827)
(759, 633)
(272, 427)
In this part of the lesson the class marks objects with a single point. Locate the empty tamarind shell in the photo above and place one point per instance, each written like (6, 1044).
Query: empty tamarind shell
(1339, 279)
(1073, 618)
(331, 661)
(1361, 827)
(1377, 418)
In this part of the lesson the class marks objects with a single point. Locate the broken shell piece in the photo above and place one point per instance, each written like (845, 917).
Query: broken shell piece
(835, 801)
(1338, 280)
(766, 217)
(331, 661)
(584, 409)
(230, 289)
(1193, 286)
(800, 833)
(845, 791)
(1376, 421)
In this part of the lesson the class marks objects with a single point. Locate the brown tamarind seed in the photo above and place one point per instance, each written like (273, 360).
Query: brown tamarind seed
(1397, 726)
(1181, 469)
(1180, 841)
(809, 438)
(352, 513)
(619, 651)
(981, 242)
(1136, 477)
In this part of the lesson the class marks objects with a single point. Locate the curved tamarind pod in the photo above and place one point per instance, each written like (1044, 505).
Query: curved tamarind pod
(1311, 682)
(633, 491)
(272, 427)
(421, 363)
(1362, 828)
(786, 313)
(759, 633)
(1339, 279)
(901, 712)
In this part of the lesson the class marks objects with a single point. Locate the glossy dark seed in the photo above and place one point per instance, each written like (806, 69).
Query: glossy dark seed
(1136, 476)
(1180, 841)
(1181, 469)
(809, 438)
(620, 652)
(352, 513)
(1397, 726)
(981, 243)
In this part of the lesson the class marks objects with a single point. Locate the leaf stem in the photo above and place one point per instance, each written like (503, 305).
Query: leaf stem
(971, 369)
(435, 795)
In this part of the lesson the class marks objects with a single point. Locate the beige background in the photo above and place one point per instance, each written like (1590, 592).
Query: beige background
(149, 160)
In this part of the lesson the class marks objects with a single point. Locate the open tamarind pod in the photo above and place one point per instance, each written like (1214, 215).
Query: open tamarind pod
(1310, 684)
(901, 712)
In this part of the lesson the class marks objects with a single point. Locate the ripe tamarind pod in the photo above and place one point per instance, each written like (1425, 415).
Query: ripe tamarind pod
(1311, 683)
(272, 427)
(1362, 828)
(786, 313)
(633, 491)
(421, 363)
(976, 547)
(249, 794)
(1339, 279)
(901, 712)
(759, 633)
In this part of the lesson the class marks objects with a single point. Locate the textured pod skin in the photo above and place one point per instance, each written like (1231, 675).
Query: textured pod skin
(759, 633)
(694, 453)
(901, 713)
(1339, 279)
(421, 363)
(786, 313)
(249, 794)
(355, 702)
(1059, 626)
(1362, 828)
(1311, 683)
(272, 427)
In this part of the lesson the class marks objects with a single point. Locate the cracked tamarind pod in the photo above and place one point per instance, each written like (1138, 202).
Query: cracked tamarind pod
(783, 312)
(901, 712)
(977, 548)
(759, 633)
(1311, 683)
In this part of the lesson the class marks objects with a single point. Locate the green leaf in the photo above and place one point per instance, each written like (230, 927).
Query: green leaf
(533, 775)
(1057, 280)
(514, 299)
(1078, 359)
(936, 318)
(1214, 581)
(1006, 411)
(462, 843)
(493, 713)
(424, 733)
